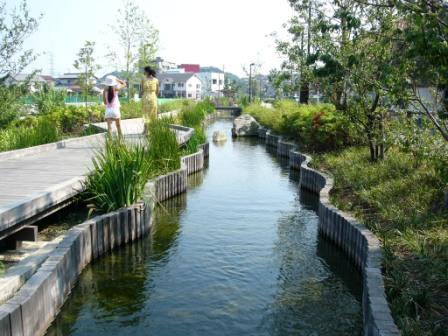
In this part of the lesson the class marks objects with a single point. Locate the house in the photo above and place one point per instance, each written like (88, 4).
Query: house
(70, 82)
(35, 81)
(180, 85)
(212, 83)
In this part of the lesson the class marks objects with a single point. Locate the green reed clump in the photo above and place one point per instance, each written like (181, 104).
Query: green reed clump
(118, 177)
(198, 138)
(41, 131)
(163, 149)
(192, 116)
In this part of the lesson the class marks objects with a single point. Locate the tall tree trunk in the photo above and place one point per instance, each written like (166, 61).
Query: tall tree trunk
(372, 148)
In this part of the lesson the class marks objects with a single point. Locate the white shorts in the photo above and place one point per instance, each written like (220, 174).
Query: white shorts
(112, 113)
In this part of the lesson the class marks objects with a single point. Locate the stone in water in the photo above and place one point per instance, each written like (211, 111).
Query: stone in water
(245, 125)
(219, 136)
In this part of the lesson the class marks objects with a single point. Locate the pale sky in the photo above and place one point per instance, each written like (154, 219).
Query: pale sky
(207, 32)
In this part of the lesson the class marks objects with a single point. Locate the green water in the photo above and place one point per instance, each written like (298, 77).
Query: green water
(239, 254)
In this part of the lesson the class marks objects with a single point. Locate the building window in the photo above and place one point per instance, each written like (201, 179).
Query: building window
(181, 85)
(198, 86)
(220, 82)
(215, 81)
(189, 85)
(189, 95)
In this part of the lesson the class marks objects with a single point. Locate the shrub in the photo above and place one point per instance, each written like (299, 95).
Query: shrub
(131, 109)
(175, 104)
(11, 107)
(40, 131)
(48, 99)
(317, 127)
(119, 175)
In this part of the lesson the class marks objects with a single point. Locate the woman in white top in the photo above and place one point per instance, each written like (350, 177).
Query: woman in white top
(110, 99)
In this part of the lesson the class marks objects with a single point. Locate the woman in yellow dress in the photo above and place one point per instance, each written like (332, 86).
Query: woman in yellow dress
(150, 87)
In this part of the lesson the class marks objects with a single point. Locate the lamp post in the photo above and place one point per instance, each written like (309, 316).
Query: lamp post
(250, 81)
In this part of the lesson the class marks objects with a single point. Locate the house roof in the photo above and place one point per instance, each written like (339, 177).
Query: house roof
(48, 77)
(71, 75)
(22, 77)
(190, 67)
(175, 77)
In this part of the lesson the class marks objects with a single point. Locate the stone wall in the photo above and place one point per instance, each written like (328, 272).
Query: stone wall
(34, 291)
(357, 242)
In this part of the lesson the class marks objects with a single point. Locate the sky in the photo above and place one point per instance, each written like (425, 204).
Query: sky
(221, 33)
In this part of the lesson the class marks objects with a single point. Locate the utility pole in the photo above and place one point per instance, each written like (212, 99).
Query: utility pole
(250, 82)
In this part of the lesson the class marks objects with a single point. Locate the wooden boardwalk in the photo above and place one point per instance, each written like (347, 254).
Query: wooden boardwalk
(38, 179)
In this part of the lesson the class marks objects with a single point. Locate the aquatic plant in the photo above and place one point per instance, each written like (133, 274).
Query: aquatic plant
(163, 149)
(118, 177)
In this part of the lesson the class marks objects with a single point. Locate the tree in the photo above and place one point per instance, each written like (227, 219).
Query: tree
(15, 27)
(425, 41)
(353, 58)
(87, 67)
(138, 39)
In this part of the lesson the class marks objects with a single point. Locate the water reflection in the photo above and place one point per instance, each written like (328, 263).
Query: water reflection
(241, 257)
(195, 180)
(112, 290)
(166, 227)
(337, 263)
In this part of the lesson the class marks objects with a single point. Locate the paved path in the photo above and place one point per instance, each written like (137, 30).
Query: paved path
(37, 179)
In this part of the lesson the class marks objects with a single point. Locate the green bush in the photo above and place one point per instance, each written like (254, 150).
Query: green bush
(163, 151)
(131, 109)
(172, 105)
(119, 175)
(40, 131)
(73, 118)
(11, 107)
(317, 127)
(48, 99)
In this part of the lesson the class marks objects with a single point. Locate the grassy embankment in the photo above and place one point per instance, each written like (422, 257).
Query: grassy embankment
(401, 199)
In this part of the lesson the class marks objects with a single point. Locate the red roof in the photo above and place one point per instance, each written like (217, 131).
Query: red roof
(190, 67)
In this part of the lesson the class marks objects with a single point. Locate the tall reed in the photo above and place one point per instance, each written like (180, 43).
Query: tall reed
(118, 177)
(163, 149)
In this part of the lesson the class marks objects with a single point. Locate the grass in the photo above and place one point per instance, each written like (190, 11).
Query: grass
(403, 205)
(41, 132)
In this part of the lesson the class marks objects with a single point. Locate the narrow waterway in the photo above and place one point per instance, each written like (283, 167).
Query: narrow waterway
(239, 254)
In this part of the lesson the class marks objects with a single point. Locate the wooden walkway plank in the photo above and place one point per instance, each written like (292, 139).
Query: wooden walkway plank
(34, 180)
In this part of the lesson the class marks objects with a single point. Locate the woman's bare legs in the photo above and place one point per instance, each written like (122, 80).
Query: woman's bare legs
(109, 125)
(118, 124)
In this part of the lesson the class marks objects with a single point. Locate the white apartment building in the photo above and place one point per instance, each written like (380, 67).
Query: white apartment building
(212, 83)
(180, 85)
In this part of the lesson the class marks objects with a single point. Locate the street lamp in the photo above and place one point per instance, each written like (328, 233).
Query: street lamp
(250, 81)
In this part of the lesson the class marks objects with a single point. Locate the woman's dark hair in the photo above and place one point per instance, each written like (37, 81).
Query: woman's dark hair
(149, 71)
(110, 94)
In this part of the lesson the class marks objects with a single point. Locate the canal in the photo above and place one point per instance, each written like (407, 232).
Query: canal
(239, 254)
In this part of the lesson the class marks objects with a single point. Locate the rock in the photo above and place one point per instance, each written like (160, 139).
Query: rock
(245, 125)
(219, 136)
